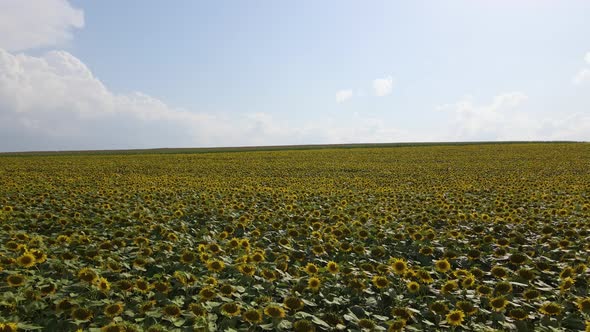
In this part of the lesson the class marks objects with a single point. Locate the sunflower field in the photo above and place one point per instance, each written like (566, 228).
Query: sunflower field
(482, 237)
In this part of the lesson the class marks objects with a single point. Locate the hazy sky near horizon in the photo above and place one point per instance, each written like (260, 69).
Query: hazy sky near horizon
(145, 74)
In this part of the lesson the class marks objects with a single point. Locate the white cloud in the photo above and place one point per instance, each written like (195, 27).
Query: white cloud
(343, 95)
(27, 24)
(383, 86)
(54, 102)
(504, 119)
(582, 76)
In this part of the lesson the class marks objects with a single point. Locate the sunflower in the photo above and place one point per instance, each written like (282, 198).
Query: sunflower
(48, 289)
(214, 248)
(162, 286)
(197, 310)
(311, 269)
(397, 325)
(172, 310)
(226, 289)
(503, 287)
(274, 311)
(365, 323)
(526, 274)
(234, 243)
(269, 275)
(187, 257)
(499, 303)
(550, 309)
(567, 272)
(252, 316)
(424, 276)
(442, 265)
(583, 304)
(142, 285)
(103, 284)
(113, 327)
(499, 272)
(16, 280)
(518, 258)
(81, 314)
(318, 249)
(439, 307)
(8, 327)
(303, 325)
(413, 286)
(114, 309)
(293, 303)
(215, 265)
(314, 284)
(531, 294)
(449, 286)
(426, 251)
(399, 266)
(230, 309)
(484, 290)
(245, 244)
(88, 275)
(380, 282)
(467, 307)
(332, 267)
(40, 256)
(207, 293)
(566, 284)
(518, 314)
(455, 317)
(257, 257)
(247, 269)
(403, 313)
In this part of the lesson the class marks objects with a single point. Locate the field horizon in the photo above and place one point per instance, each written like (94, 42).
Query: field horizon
(238, 148)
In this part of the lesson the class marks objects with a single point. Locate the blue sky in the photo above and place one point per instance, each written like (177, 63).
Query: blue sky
(219, 73)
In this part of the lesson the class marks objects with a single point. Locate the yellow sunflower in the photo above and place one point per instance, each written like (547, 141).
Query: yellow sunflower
(455, 317)
(314, 284)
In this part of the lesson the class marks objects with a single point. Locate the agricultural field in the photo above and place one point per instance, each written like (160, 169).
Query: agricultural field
(476, 237)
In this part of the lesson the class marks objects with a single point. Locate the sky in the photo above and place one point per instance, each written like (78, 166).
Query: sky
(82, 75)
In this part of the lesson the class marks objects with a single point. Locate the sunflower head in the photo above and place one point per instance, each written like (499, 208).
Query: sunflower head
(81, 314)
(413, 286)
(583, 305)
(380, 281)
(442, 265)
(207, 293)
(88, 275)
(498, 303)
(274, 311)
(550, 309)
(332, 267)
(303, 325)
(172, 310)
(103, 285)
(16, 280)
(252, 316)
(215, 265)
(314, 284)
(293, 303)
(311, 269)
(114, 309)
(399, 266)
(518, 314)
(231, 309)
(455, 317)
(439, 307)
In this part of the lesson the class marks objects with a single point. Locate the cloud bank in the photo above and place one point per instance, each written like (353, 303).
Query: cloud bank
(503, 119)
(28, 24)
(383, 86)
(343, 95)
